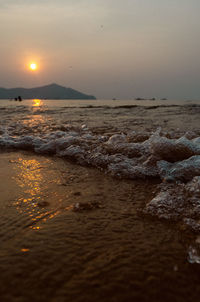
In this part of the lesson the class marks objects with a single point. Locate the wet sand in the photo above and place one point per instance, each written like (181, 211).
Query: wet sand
(71, 233)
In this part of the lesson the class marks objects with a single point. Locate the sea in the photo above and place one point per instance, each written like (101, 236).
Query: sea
(100, 200)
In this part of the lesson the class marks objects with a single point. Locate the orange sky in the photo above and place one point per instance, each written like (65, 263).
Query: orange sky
(103, 47)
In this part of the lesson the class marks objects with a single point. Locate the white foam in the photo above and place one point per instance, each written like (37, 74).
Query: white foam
(193, 255)
(117, 153)
(133, 155)
(174, 149)
(183, 170)
(178, 201)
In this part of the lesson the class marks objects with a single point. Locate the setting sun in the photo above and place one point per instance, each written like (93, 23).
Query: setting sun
(33, 66)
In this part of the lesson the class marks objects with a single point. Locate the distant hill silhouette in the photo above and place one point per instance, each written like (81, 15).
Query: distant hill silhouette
(52, 91)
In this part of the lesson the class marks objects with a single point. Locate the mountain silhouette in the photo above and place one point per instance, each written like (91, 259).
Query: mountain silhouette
(52, 91)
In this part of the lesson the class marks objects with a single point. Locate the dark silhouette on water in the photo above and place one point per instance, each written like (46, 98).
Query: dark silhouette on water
(19, 98)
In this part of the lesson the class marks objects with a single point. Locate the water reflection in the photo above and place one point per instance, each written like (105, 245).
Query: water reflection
(25, 250)
(37, 103)
(38, 106)
(33, 200)
(30, 177)
(40, 197)
(36, 124)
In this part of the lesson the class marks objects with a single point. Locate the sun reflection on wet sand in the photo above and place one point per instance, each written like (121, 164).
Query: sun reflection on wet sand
(25, 250)
(30, 177)
(37, 201)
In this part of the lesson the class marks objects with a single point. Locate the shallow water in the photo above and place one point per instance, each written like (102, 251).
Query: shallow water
(54, 252)
(72, 231)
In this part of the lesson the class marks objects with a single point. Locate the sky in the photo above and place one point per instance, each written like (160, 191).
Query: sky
(108, 48)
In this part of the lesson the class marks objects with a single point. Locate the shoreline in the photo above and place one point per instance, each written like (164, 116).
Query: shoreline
(79, 232)
(51, 250)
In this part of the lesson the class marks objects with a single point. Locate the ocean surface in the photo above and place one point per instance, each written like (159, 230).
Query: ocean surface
(100, 200)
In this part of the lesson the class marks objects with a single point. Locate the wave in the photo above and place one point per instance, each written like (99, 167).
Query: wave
(175, 162)
(129, 155)
(178, 201)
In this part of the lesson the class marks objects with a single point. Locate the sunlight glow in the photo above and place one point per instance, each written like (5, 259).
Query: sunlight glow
(33, 66)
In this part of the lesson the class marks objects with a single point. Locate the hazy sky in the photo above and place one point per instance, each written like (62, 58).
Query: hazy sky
(109, 48)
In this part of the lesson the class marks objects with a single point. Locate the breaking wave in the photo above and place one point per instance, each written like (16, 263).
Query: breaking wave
(171, 157)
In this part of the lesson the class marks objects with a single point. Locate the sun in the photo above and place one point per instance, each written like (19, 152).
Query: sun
(33, 66)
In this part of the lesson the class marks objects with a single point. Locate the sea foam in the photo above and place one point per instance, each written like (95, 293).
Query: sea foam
(176, 162)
